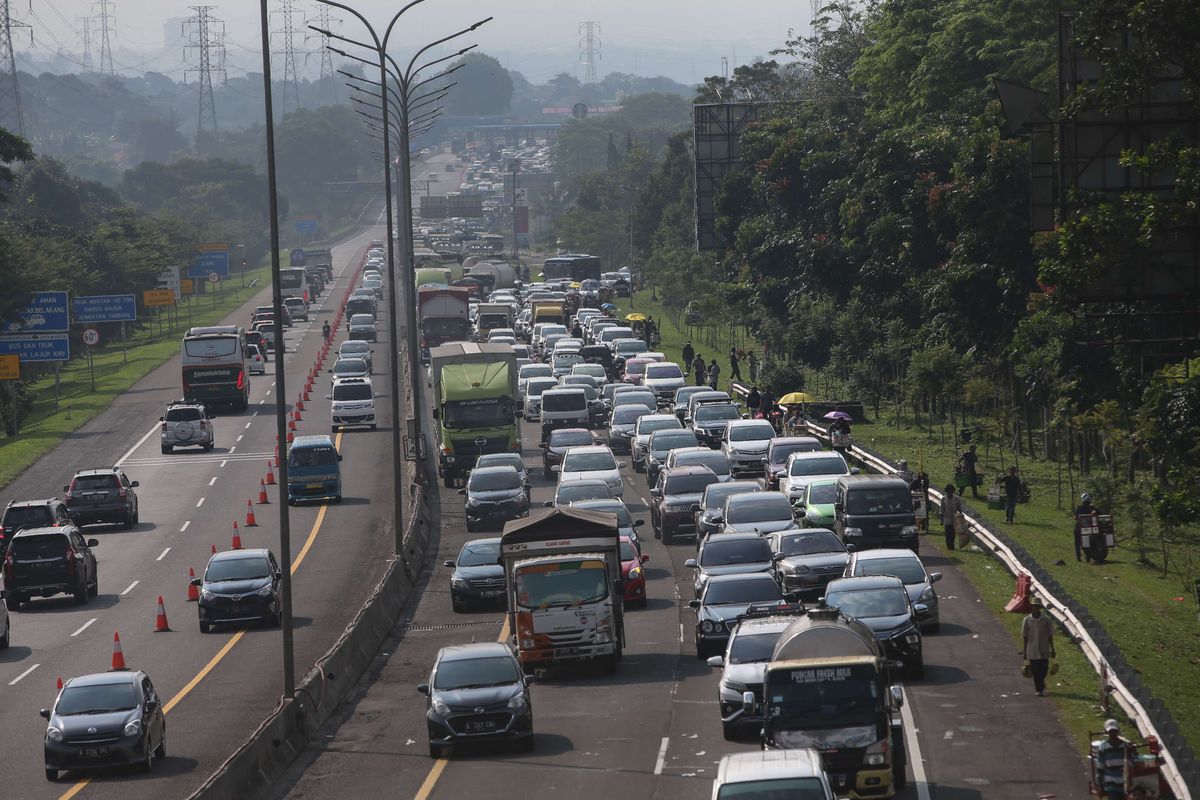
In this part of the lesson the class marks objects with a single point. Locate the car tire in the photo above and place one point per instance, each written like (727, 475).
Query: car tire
(167, 449)
(94, 589)
(337, 499)
(436, 750)
(81, 595)
(6, 639)
(14, 602)
(147, 765)
(899, 777)
(205, 626)
(373, 427)
(526, 745)
(935, 627)
(137, 514)
(208, 447)
(668, 536)
(547, 474)
(160, 752)
(730, 733)
(916, 670)
(457, 606)
(51, 775)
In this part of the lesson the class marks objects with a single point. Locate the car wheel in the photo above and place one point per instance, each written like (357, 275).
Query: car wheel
(730, 733)
(94, 589)
(547, 474)
(471, 528)
(7, 637)
(51, 775)
(373, 427)
(127, 523)
(205, 626)
(161, 751)
(526, 744)
(935, 627)
(137, 514)
(337, 498)
(147, 764)
(14, 602)
(916, 670)
(899, 777)
(448, 480)
(208, 447)
(456, 605)
(435, 750)
(81, 595)
(166, 449)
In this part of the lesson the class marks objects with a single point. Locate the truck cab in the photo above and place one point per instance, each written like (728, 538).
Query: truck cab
(475, 397)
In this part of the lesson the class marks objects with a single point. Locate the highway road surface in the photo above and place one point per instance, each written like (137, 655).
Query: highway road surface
(976, 730)
(217, 687)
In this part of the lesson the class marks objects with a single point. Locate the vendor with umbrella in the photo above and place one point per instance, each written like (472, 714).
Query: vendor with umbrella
(638, 323)
(795, 402)
(839, 429)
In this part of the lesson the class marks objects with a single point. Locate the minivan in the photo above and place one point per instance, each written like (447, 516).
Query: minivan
(314, 470)
(875, 511)
(564, 408)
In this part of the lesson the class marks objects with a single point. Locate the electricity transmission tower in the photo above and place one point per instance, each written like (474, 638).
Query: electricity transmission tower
(85, 41)
(10, 93)
(291, 83)
(325, 20)
(206, 40)
(589, 43)
(108, 21)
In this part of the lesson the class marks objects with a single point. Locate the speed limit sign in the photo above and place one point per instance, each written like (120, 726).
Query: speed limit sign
(91, 337)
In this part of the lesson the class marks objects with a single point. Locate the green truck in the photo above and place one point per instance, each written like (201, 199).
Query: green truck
(474, 404)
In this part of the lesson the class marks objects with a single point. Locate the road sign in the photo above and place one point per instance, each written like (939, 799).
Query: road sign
(306, 224)
(87, 309)
(169, 279)
(579, 110)
(210, 258)
(10, 368)
(214, 277)
(91, 337)
(152, 298)
(521, 197)
(187, 286)
(45, 312)
(37, 347)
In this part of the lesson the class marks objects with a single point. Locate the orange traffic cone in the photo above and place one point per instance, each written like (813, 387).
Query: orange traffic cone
(237, 539)
(250, 521)
(291, 427)
(59, 685)
(270, 473)
(118, 658)
(214, 547)
(300, 402)
(160, 619)
(193, 594)
(262, 493)
(297, 416)
(291, 437)
(304, 394)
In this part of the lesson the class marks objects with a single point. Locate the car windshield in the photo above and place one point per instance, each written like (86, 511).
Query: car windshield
(908, 570)
(663, 371)
(237, 569)
(588, 462)
(571, 491)
(767, 507)
(823, 465)
(566, 360)
(643, 399)
(27, 517)
(105, 698)
(475, 672)
(889, 500)
(564, 583)
(752, 648)
(688, 484)
(569, 438)
(353, 391)
(807, 544)
(869, 602)
(574, 400)
(709, 413)
(808, 698)
(354, 347)
(479, 554)
(669, 440)
(535, 387)
(361, 319)
(741, 591)
(627, 414)
(323, 456)
(713, 459)
(184, 414)
(501, 460)
(774, 789)
(90, 483)
(595, 370)
(497, 481)
(821, 493)
(349, 366)
(635, 367)
(628, 552)
(749, 433)
(624, 520)
(717, 553)
(715, 496)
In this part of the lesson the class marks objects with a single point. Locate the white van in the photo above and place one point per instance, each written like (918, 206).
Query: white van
(353, 403)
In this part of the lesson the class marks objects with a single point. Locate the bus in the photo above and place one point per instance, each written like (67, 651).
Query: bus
(572, 267)
(293, 282)
(214, 366)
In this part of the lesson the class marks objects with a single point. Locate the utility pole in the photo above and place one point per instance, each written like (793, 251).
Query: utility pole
(108, 21)
(85, 41)
(291, 84)
(10, 93)
(206, 41)
(324, 21)
(589, 43)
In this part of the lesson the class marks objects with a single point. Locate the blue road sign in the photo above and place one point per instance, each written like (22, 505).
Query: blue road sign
(45, 312)
(207, 261)
(306, 226)
(104, 308)
(37, 347)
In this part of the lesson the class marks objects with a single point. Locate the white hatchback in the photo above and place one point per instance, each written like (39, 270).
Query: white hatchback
(592, 463)
(803, 468)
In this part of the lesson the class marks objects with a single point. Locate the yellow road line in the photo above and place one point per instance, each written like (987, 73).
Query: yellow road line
(233, 640)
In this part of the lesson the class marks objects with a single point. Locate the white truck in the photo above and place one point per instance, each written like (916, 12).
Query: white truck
(563, 576)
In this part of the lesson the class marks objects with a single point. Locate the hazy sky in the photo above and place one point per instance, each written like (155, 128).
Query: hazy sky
(683, 39)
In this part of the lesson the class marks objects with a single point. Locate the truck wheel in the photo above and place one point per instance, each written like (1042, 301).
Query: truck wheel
(899, 776)
(14, 602)
(448, 480)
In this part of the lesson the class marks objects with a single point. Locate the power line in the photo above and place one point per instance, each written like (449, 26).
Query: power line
(589, 43)
(291, 83)
(108, 23)
(206, 36)
(10, 92)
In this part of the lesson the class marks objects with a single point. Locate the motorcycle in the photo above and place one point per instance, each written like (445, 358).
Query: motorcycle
(1096, 535)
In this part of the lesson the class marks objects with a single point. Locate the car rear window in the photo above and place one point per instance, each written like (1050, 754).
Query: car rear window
(35, 547)
(740, 551)
(27, 517)
(570, 438)
(689, 484)
(566, 401)
(86, 483)
(184, 414)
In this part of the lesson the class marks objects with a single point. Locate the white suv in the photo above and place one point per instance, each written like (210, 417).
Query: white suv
(745, 443)
(353, 403)
(186, 425)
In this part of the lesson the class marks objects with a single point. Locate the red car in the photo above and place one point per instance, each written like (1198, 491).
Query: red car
(632, 573)
(635, 370)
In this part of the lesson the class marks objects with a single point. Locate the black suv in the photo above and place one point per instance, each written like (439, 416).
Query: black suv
(44, 562)
(20, 514)
(97, 496)
(239, 586)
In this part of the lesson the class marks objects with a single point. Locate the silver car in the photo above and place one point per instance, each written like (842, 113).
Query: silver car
(905, 565)
(186, 425)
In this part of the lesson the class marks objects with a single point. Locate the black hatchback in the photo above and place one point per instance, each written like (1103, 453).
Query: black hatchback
(239, 586)
(43, 562)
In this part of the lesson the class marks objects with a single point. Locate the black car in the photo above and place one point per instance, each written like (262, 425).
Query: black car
(621, 426)
(239, 586)
(477, 692)
(20, 514)
(599, 354)
(881, 602)
(709, 422)
(807, 560)
(43, 562)
(675, 500)
(729, 554)
(494, 495)
(478, 577)
(561, 439)
(712, 505)
(725, 598)
(97, 496)
(661, 443)
(105, 720)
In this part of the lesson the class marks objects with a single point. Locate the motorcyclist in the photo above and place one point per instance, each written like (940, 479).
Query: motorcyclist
(1086, 509)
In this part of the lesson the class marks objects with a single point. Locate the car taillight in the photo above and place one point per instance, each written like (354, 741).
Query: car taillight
(121, 491)
(70, 561)
(8, 568)
(241, 380)
(164, 424)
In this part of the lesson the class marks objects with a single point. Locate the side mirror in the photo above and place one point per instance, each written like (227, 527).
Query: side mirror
(423, 688)
(339, 456)
(151, 705)
(162, 419)
(449, 562)
(3, 594)
(544, 445)
(93, 542)
(328, 397)
(637, 523)
(548, 504)
(656, 492)
(778, 557)
(716, 661)
(530, 679)
(839, 507)
(934, 577)
(922, 610)
(645, 558)
(718, 520)
(462, 491)
(621, 465)
(44, 713)
(195, 581)
(134, 484)
(850, 548)
(66, 489)
(694, 604)
(854, 470)
(897, 697)
(690, 563)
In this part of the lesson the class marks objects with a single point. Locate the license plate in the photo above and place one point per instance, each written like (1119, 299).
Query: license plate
(484, 725)
(492, 593)
(235, 609)
(314, 486)
(93, 752)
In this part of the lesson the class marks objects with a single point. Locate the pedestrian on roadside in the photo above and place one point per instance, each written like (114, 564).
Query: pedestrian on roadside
(753, 361)
(1012, 490)
(951, 504)
(970, 461)
(689, 355)
(699, 368)
(753, 402)
(714, 372)
(735, 370)
(326, 332)
(1037, 645)
(1111, 759)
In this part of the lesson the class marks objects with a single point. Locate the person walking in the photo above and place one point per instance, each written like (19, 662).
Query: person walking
(689, 355)
(714, 372)
(951, 504)
(326, 331)
(735, 370)
(1012, 490)
(753, 362)
(970, 461)
(753, 402)
(1111, 759)
(699, 369)
(1037, 645)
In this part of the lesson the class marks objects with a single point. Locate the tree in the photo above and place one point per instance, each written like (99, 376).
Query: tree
(484, 87)
(612, 154)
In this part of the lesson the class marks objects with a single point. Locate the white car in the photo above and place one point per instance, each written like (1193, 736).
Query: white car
(745, 442)
(593, 370)
(701, 456)
(663, 379)
(532, 371)
(353, 403)
(802, 469)
(592, 463)
(256, 362)
(532, 398)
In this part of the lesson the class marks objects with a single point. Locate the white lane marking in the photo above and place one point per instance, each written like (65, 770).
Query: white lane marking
(255, 414)
(267, 392)
(212, 480)
(200, 502)
(914, 750)
(84, 627)
(131, 450)
(662, 755)
(681, 633)
(240, 435)
(185, 526)
(247, 424)
(163, 554)
(260, 402)
(232, 449)
(15, 680)
(129, 588)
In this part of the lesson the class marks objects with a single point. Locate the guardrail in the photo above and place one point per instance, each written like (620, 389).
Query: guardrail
(1067, 617)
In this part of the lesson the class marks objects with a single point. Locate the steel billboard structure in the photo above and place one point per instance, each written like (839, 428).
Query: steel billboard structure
(717, 130)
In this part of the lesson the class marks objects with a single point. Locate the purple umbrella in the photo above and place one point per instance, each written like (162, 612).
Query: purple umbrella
(838, 415)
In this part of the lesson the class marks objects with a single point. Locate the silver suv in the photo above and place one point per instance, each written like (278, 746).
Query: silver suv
(187, 425)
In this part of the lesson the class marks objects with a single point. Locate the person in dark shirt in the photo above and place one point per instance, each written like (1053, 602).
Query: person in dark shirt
(1012, 490)
(969, 460)
(1086, 509)
(753, 402)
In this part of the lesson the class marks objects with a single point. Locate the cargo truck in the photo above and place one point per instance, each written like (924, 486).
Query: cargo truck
(829, 686)
(562, 570)
(494, 274)
(432, 275)
(548, 311)
(474, 404)
(493, 315)
(442, 311)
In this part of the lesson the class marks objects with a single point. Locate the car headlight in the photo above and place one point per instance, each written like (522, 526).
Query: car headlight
(207, 596)
(913, 639)
(439, 706)
(874, 760)
(54, 734)
(472, 502)
(928, 596)
(852, 531)
(706, 626)
(458, 583)
(517, 701)
(800, 569)
(265, 591)
(613, 482)
(908, 530)
(635, 573)
(133, 727)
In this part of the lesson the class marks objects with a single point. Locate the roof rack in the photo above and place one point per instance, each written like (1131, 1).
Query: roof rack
(763, 611)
